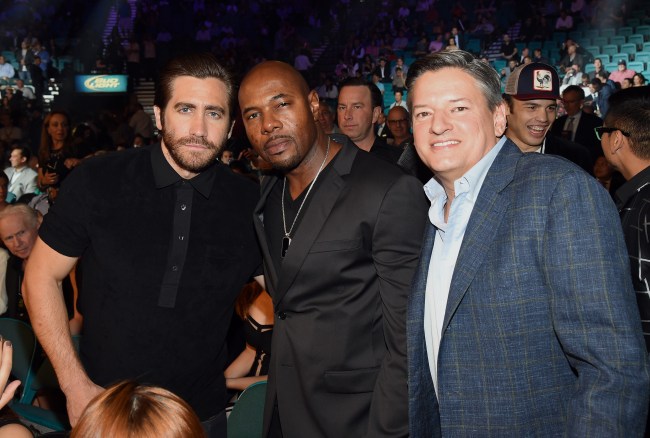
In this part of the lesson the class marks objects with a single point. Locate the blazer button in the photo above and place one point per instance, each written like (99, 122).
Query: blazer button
(282, 315)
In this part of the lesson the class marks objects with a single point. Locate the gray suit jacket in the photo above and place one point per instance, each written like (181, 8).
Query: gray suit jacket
(338, 361)
(541, 335)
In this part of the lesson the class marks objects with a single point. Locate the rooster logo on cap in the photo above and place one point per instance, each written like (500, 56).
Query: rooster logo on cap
(543, 80)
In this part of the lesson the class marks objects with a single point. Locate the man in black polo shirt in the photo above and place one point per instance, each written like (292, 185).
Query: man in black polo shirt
(167, 241)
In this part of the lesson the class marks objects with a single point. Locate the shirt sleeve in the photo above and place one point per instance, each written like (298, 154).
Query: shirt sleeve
(65, 226)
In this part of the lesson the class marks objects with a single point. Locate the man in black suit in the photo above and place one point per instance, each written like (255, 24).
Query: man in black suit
(578, 126)
(383, 71)
(340, 230)
(531, 93)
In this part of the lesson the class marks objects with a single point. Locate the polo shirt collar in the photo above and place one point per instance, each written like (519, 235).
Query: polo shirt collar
(164, 175)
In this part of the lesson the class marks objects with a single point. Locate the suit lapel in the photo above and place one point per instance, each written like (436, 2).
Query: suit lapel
(316, 214)
(486, 217)
(271, 275)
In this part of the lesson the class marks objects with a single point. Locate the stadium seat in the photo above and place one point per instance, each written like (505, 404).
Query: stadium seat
(633, 22)
(549, 45)
(643, 30)
(559, 37)
(636, 66)
(498, 64)
(637, 39)
(625, 31)
(576, 35)
(608, 32)
(642, 57)
(628, 48)
(599, 41)
(617, 39)
(609, 49)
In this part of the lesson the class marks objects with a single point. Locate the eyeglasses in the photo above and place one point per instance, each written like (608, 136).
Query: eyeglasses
(602, 130)
(397, 122)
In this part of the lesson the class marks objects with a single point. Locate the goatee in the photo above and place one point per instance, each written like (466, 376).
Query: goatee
(191, 160)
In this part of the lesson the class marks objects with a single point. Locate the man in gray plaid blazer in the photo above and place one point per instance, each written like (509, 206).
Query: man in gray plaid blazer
(522, 320)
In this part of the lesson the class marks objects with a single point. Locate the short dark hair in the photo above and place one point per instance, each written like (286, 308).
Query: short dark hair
(376, 99)
(196, 65)
(629, 111)
(575, 89)
(603, 74)
(25, 152)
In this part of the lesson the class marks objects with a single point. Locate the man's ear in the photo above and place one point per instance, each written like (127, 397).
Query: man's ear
(500, 119)
(314, 103)
(375, 114)
(159, 117)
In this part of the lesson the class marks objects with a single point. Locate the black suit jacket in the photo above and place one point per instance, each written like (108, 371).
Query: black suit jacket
(585, 134)
(338, 367)
(574, 152)
(384, 74)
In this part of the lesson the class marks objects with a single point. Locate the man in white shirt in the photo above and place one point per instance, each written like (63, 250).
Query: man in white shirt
(22, 179)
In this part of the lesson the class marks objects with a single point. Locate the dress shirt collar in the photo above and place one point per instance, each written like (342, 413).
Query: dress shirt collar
(164, 175)
(469, 184)
(632, 187)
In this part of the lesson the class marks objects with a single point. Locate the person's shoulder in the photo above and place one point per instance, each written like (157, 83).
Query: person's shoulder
(123, 164)
(232, 183)
(592, 118)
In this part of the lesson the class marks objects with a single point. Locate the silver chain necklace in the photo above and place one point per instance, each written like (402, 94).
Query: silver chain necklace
(286, 240)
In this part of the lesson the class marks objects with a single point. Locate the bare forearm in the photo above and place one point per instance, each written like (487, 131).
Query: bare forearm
(241, 383)
(49, 317)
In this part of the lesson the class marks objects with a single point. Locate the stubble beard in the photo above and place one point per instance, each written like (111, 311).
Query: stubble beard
(191, 161)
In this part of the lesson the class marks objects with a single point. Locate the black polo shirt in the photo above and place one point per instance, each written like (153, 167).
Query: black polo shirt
(163, 261)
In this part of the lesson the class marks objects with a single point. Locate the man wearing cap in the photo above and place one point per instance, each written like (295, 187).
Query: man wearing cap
(522, 319)
(531, 95)
(622, 73)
